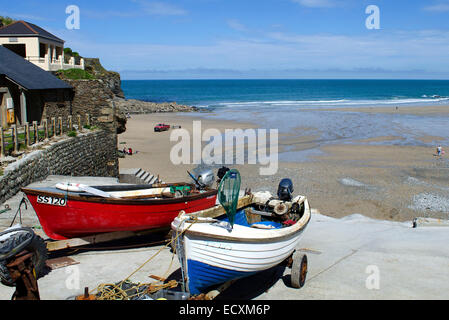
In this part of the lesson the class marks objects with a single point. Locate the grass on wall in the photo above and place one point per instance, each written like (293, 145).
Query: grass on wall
(74, 74)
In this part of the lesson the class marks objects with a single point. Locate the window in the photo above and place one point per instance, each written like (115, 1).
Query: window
(19, 49)
(42, 50)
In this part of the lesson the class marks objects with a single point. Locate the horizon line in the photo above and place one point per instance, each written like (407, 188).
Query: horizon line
(292, 79)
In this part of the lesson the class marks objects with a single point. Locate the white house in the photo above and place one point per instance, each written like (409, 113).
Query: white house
(37, 46)
(28, 93)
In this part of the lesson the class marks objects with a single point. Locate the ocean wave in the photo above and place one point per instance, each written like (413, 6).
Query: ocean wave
(335, 103)
(281, 102)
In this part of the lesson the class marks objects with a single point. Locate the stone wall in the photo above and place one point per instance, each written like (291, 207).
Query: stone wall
(91, 153)
(57, 103)
(95, 98)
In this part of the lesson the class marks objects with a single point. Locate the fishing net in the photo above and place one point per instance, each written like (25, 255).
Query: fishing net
(228, 193)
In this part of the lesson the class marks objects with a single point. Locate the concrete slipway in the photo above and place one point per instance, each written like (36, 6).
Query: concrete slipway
(350, 258)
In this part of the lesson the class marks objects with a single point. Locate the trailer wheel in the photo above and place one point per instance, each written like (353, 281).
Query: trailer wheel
(40, 255)
(299, 270)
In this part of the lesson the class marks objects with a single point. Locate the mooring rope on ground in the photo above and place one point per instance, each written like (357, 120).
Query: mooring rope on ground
(114, 291)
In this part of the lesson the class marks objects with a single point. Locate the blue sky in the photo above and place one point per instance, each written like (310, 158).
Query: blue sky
(146, 39)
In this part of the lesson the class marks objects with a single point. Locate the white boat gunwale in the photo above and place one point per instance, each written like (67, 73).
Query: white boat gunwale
(211, 253)
(241, 233)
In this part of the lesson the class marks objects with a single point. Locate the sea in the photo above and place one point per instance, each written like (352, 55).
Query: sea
(292, 105)
(284, 93)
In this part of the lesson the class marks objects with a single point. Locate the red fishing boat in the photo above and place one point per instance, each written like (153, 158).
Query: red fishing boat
(72, 210)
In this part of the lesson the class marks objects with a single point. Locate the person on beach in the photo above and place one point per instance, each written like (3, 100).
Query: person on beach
(439, 150)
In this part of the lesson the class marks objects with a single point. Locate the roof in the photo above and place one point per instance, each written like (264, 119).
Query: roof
(27, 29)
(26, 74)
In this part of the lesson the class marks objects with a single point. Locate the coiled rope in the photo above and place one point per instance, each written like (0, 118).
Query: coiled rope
(116, 292)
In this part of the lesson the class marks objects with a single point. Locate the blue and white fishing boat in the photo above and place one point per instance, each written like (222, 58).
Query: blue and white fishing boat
(214, 247)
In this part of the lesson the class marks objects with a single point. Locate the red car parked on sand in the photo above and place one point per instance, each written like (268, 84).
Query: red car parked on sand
(161, 127)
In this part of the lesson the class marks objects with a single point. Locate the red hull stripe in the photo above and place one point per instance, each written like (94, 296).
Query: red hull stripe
(82, 218)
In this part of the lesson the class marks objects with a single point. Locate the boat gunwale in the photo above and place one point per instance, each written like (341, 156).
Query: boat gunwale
(279, 234)
(86, 197)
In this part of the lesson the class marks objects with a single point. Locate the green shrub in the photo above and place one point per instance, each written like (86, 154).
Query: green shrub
(75, 74)
(7, 20)
(72, 134)
(86, 126)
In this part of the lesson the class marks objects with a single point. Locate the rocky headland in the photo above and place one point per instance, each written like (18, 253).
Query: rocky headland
(112, 81)
(100, 90)
(132, 106)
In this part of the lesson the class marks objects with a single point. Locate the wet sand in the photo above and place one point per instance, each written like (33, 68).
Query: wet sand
(387, 182)
(410, 110)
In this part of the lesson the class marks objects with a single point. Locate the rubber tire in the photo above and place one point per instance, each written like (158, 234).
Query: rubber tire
(40, 256)
(39, 248)
(299, 270)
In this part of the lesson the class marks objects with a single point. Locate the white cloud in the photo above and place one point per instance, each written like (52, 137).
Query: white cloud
(236, 25)
(439, 7)
(398, 51)
(110, 13)
(145, 8)
(316, 3)
(161, 8)
(25, 16)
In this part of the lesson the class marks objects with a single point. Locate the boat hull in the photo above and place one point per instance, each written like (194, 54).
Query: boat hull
(212, 254)
(83, 217)
(211, 263)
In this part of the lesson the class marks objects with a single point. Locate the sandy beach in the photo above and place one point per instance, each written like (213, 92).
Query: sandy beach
(386, 181)
(153, 148)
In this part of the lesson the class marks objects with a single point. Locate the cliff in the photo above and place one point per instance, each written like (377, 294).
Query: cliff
(110, 78)
(96, 98)
(99, 93)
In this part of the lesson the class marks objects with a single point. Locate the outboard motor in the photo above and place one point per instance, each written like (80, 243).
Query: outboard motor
(206, 178)
(285, 190)
(221, 173)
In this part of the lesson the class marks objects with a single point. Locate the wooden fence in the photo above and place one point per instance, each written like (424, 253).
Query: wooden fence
(17, 138)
